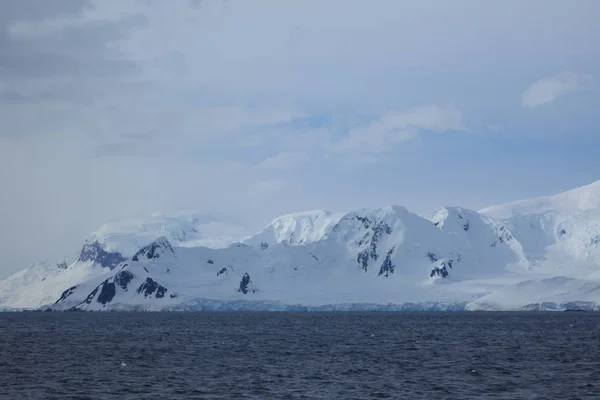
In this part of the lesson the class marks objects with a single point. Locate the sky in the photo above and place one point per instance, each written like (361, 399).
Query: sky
(245, 110)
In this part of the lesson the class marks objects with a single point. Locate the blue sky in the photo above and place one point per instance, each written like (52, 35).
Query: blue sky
(251, 109)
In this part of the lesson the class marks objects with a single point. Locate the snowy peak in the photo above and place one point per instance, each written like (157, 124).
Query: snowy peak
(356, 228)
(123, 284)
(576, 200)
(556, 232)
(453, 219)
(476, 228)
(545, 251)
(154, 250)
(96, 253)
(389, 241)
(296, 229)
(128, 236)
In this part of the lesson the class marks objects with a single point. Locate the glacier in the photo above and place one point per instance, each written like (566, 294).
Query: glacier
(536, 254)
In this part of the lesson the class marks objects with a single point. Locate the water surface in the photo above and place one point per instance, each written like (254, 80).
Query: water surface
(426, 355)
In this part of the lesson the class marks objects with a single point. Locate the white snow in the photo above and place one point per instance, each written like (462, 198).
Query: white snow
(557, 232)
(129, 235)
(297, 229)
(41, 284)
(535, 254)
(579, 199)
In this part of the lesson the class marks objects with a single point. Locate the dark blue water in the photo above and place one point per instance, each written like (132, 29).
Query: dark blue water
(299, 355)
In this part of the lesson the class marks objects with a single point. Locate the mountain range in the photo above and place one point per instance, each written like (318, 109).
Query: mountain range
(537, 254)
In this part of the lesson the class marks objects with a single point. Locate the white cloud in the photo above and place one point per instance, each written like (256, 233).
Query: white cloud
(198, 94)
(549, 89)
(494, 127)
(397, 127)
(228, 119)
(268, 188)
(284, 161)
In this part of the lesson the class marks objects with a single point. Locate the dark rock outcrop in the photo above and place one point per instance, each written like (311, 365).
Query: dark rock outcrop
(363, 259)
(504, 236)
(123, 278)
(96, 253)
(152, 250)
(90, 297)
(371, 240)
(149, 287)
(107, 293)
(66, 294)
(387, 267)
(244, 283)
(443, 272)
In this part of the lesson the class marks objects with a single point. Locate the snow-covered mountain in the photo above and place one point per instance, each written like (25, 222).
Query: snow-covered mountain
(297, 229)
(41, 283)
(535, 254)
(558, 233)
(186, 230)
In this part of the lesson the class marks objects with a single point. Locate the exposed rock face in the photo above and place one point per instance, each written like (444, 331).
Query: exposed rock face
(370, 241)
(244, 284)
(149, 287)
(123, 278)
(442, 270)
(152, 250)
(96, 253)
(66, 294)
(90, 297)
(504, 236)
(363, 260)
(387, 267)
(107, 293)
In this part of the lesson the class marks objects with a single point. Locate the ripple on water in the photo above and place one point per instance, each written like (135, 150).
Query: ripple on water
(299, 355)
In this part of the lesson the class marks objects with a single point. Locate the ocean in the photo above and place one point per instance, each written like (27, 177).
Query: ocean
(412, 355)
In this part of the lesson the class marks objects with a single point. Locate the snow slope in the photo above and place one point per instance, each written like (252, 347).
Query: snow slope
(535, 254)
(381, 256)
(558, 233)
(297, 229)
(584, 198)
(42, 283)
(128, 236)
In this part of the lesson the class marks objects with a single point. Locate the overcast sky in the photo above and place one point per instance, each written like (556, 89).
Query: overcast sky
(249, 109)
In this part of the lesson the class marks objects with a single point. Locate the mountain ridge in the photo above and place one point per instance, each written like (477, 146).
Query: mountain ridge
(388, 256)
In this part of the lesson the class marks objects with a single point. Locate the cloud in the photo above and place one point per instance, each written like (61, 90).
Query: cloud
(110, 108)
(549, 89)
(227, 119)
(71, 48)
(283, 161)
(395, 127)
(493, 127)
